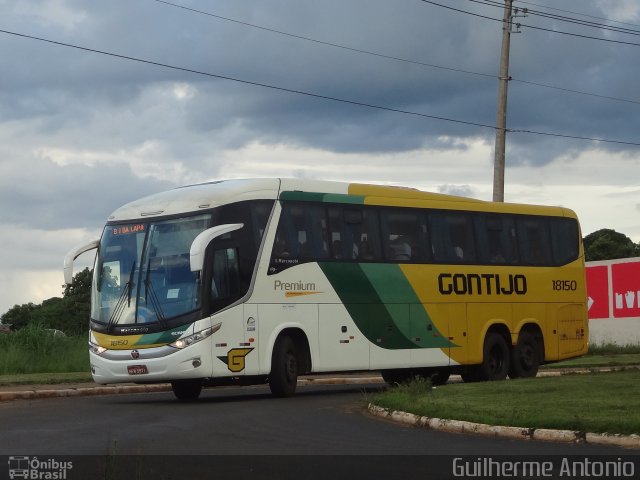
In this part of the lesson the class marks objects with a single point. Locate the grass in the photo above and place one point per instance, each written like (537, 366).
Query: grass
(35, 350)
(45, 378)
(596, 402)
(602, 355)
(613, 349)
(599, 360)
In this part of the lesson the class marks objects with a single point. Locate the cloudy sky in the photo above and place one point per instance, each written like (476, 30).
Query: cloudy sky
(83, 132)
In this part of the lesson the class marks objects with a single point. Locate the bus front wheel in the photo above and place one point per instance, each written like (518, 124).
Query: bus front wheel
(187, 390)
(284, 368)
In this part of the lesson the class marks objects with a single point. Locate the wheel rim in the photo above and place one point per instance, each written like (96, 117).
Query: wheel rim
(291, 367)
(527, 357)
(496, 360)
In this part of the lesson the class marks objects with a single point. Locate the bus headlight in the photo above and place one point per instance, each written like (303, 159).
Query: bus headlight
(97, 349)
(195, 338)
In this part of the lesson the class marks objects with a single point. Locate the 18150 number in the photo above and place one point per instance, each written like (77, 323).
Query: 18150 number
(564, 285)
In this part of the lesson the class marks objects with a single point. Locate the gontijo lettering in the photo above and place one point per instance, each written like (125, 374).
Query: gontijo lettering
(481, 284)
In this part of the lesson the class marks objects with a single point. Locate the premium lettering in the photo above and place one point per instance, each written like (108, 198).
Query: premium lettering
(290, 286)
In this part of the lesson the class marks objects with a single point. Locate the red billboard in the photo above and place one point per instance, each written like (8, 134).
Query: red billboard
(613, 289)
(626, 289)
(598, 291)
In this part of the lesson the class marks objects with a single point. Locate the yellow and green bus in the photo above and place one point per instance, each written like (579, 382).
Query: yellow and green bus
(254, 281)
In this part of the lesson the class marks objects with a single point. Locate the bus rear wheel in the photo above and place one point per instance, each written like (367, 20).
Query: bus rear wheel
(187, 390)
(496, 358)
(283, 378)
(525, 357)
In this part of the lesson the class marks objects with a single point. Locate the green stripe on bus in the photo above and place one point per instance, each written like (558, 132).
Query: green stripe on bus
(168, 336)
(302, 196)
(340, 198)
(321, 197)
(383, 305)
(398, 296)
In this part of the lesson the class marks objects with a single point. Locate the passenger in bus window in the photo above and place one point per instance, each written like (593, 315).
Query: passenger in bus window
(280, 248)
(401, 251)
(365, 251)
(336, 249)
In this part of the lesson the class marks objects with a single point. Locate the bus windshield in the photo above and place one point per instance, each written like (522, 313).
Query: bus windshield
(143, 274)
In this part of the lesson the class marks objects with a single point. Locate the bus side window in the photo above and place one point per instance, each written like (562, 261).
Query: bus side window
(496, 238)
(453, 237)
(337, 246)
(260, 210)
(369, 238)
(225, 282)
(534, 240)
(565, 238)
(400, 234)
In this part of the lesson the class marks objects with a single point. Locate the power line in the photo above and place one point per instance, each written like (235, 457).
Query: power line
(585, 23)
(562, 18)
(323, 42)
(531, 26)
(391, 57)
(308, 94)
(578, 13)
(462, 11)
(579, 35)
(247, 82)
(569, 90)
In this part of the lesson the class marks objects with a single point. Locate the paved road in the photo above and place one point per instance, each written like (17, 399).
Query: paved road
(318, 420)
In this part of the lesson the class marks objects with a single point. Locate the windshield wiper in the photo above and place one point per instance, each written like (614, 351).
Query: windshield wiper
(151, 293)
(125, 296)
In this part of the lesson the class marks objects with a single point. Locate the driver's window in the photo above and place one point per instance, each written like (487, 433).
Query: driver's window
(225, 282)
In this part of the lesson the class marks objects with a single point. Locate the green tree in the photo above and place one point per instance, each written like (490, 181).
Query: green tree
(607, 244)
(19, 316)
(69, 313)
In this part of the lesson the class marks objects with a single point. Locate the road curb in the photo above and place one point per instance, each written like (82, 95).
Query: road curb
(498, 431)
(30, 394)
(82, 391)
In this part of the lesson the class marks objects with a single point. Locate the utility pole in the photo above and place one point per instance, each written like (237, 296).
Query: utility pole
(501, 116)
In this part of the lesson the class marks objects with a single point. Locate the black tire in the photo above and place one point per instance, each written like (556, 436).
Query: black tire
(470, 374)
(525, 357)
(496, 358)
(397, 376)
(187, 390)
(440, 376)
(283, 378)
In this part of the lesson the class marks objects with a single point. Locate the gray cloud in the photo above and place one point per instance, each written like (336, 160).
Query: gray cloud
(67, 85)
(83, 133)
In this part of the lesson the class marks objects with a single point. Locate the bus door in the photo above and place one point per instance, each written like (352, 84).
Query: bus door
(449, 321)
(391, 347)
(342, 345)
(224, 289)
(432, 329)
(230, 260)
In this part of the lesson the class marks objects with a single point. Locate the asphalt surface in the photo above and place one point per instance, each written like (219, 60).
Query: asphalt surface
(319, 419)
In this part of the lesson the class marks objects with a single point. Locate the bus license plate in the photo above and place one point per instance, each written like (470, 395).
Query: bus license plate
(137, 369)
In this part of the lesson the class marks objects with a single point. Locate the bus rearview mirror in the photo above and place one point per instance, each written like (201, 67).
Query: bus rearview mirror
(200, 243)
(72, 255)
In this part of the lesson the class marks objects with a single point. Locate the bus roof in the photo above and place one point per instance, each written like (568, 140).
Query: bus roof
(204, 196)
